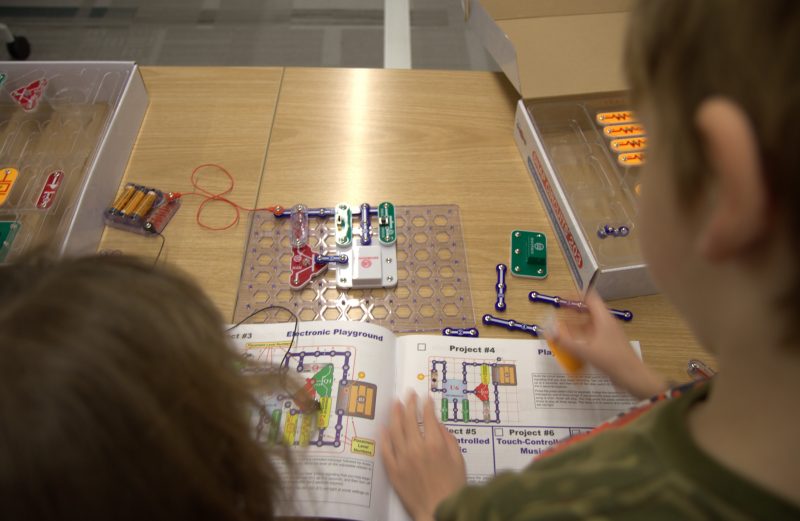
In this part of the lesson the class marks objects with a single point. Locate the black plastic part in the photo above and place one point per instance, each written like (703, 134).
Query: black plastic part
(20, 48)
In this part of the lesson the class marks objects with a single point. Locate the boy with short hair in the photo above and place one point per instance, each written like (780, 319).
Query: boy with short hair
(717, 84)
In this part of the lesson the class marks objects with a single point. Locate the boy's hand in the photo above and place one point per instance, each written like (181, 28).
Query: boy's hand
(600, 341)
(424, 468)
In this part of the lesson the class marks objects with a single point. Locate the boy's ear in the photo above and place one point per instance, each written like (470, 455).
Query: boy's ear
(738, 212)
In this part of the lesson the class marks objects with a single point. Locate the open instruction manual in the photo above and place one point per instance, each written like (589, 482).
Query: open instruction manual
(504, 400)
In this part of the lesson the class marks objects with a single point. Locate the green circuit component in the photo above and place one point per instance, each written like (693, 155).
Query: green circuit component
(323, 381)
(344, 224)
(528, 254)
(274, 426)
(8, 231)
(386, 223)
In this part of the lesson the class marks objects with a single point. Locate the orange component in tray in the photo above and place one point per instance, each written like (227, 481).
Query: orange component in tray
(620, 131)
(8, 176)
(614, 118)
(635, 144)
(631, 159)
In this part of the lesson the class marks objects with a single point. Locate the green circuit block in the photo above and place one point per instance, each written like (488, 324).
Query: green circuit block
(528, 254)
(8, 231)
(386, 223)
(274, 426)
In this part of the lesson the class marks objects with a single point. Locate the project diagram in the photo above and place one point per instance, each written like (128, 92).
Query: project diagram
(326, 372)
(458, 381)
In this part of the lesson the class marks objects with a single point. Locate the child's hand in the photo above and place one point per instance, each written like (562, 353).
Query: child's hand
(600, 341)
(423, 468)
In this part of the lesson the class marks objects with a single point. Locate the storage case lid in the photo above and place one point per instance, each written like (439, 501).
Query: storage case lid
(554, 47)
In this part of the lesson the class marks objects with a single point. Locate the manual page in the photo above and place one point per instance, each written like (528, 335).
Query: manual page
(505, 400)
(348, 369)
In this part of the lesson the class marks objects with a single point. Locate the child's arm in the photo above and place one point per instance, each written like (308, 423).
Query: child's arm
(601, 342)
(424, 468)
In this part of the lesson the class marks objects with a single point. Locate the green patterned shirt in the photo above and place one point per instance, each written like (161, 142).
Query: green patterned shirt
(648, 469)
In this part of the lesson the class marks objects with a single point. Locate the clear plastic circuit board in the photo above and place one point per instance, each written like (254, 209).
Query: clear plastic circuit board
(432, 290)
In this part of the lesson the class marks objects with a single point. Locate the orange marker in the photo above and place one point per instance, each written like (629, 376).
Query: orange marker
(631, 159)
(570, 364)
(635, 144)
(614, 118)
(620, 131)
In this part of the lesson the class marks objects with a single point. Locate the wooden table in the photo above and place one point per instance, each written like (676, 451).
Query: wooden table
(320, 136)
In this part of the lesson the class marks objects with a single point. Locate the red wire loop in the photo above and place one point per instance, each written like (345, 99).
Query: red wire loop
(210, 197)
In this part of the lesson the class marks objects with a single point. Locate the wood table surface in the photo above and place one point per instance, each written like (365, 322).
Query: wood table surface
(321, 136)
(196, 116)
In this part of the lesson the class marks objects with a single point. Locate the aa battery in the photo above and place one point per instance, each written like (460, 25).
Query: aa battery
(122, 199)
(133, 202)
(145, 205)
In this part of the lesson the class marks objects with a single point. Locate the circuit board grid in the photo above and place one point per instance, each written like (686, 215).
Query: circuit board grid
(432, 290)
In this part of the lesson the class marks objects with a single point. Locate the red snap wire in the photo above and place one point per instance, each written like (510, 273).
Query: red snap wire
(210, 197)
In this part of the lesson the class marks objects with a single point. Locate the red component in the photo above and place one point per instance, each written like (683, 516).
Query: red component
(482, 392)
(309, 387)
(48, 193)
(29, 95)
(303, 267)
(159, 217)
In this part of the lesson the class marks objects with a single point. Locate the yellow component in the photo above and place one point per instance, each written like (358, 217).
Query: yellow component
(420, 377)
(363, 446)
(361, 400)
(568, 362)
(369, 402)
(621, 131)
(485, 374)
(123, 198)
(631, 159)
(615, 118)
(305, 429)
(8, 176)
(361, 375)
(635, 144)
(133, 202)
(289, 429)
(324, 413)
(352, 404)
(505, 374)
(143, 207)
(357, 399)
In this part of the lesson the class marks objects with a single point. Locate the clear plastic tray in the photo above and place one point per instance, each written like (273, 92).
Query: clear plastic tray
(599, 191)
(64, 132)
